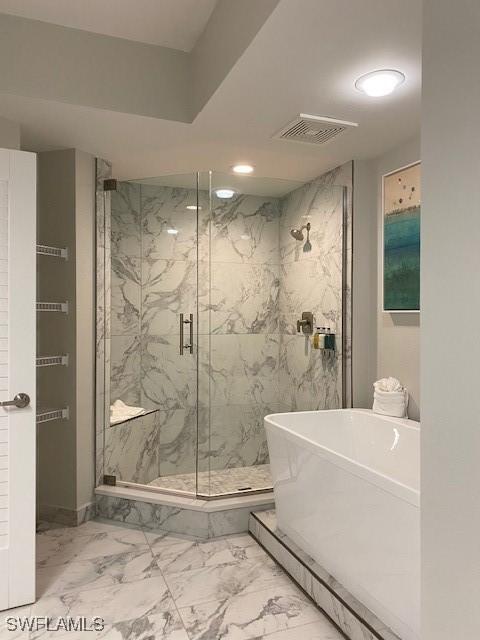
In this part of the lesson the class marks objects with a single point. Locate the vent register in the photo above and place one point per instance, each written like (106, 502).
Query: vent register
(313, 129)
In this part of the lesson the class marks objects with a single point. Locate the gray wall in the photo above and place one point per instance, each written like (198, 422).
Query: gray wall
(9, 134)
(384, 344)
(65, 219)
(450, 435)
(398, 337)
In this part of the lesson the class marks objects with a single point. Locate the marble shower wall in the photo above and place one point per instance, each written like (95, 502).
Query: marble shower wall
(311, 379)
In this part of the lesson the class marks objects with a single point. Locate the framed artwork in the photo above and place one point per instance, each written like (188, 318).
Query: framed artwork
(401, 240)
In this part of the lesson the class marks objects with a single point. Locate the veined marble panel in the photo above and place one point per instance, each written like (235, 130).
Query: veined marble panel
(169, 287)
(125, 370)
(125, 232)
(165, 208)
(178, 441)
(245, 229)
(244, 298)
(243, 369)
(168, 380)
(234, 437)
(125, 295)
(310, 379)
(132, 449)
(311, 286)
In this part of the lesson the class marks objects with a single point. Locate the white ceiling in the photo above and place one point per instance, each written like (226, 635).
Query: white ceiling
(169, 23)
(300, 62)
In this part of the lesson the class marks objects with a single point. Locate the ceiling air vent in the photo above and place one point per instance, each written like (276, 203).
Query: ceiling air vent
(313, 129)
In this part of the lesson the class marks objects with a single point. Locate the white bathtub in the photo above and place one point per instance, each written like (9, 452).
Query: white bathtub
(346, 486)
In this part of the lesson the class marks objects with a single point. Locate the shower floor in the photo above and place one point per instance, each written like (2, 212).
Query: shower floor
(210, 483)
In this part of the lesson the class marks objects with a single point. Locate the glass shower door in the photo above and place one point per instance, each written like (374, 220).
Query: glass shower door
(154, 334)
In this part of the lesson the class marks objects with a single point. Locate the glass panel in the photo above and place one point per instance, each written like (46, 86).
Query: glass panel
(153, 281)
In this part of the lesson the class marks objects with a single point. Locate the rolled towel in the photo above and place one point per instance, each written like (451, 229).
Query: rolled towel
(388, 384)
(390, 398)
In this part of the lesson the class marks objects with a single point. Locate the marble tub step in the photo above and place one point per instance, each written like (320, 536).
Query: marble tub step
(353, 618)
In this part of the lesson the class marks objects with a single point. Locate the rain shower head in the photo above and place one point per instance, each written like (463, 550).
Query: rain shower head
(298, 233)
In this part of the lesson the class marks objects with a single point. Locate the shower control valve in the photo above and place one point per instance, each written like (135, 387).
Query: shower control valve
(305, 325)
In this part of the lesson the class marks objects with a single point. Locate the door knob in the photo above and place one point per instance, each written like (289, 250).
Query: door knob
(21, 400)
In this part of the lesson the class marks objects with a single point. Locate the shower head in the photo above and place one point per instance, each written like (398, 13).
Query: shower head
(298, 233)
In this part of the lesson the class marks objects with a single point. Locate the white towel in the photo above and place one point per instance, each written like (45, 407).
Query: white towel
(388, 385)
(390, 398)
(119, 411)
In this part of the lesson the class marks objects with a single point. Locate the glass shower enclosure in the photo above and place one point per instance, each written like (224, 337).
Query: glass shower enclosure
(207, 283)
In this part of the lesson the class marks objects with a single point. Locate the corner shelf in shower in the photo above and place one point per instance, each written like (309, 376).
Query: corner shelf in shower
(57, 252)
(47, 415)
(52, 361)
(53, 306)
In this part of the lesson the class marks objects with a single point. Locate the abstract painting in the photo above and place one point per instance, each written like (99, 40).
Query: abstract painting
(401, 240)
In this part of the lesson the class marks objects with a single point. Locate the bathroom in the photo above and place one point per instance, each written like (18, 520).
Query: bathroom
(216, 403)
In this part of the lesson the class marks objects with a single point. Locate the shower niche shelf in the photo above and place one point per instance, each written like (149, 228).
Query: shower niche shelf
(52, 361)
(57, 252)
(61, 307)
(47, 415)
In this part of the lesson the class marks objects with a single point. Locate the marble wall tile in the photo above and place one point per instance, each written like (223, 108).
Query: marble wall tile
(245, 229)
(243, 369)
(125, 370)
(126, 222)
(310, 379)
(169, 287)
(168, 380)
(164, 208)
(234, 436)
(244, 298)
(132, 449)
(178, 441)
(125, 295)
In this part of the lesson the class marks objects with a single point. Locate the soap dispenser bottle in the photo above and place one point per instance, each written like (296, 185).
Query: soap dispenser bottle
(319, 338)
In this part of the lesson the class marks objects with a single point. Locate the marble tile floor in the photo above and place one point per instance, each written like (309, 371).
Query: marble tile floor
(219, 482)
(158, 586)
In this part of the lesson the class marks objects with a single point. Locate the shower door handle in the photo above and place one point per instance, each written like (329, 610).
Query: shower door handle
(184, 346)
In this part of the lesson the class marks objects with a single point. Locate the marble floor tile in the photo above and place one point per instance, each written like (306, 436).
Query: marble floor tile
(149, 585)
(251, 615)
(113, 604)
(224, 581)
(97, 572)
(58, 546)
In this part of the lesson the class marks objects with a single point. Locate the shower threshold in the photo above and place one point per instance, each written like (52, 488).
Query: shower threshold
(219, 483)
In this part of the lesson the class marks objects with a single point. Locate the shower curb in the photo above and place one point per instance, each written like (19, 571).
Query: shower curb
(176, 514)
(346, 612)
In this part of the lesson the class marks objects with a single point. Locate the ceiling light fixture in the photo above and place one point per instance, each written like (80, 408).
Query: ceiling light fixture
(243, 169)
(224, 194)
(380, 83)
(193, 207)
(172, 232)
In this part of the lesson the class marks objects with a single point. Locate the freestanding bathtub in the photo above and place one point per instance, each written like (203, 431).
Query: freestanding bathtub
(346, 487)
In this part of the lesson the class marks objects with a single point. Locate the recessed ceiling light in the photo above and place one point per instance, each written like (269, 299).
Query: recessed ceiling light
(172, 232)
(380, 83)
(193, 207)
(224, 194)
(242, 168)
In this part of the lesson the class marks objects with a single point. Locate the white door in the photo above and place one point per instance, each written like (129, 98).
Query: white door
(17, 376)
